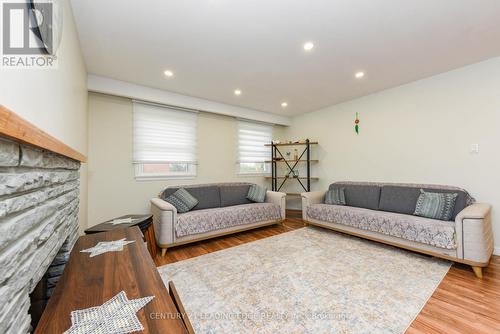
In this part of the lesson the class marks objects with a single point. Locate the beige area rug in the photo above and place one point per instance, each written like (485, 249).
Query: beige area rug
(305, 281)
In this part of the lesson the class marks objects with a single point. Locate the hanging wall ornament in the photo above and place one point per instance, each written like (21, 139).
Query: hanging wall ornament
(356, 124)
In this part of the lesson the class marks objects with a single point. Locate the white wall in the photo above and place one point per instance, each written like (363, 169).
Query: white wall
(113, 191)
(419, 132)
(55, 100)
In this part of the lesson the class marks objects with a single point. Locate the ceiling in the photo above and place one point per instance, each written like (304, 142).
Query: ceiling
(216, 46)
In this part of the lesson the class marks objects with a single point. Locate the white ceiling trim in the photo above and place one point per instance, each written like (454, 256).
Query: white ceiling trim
(109, 86)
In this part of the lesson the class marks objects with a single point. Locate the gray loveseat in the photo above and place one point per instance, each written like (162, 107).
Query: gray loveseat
(384, 212)
(222, 209)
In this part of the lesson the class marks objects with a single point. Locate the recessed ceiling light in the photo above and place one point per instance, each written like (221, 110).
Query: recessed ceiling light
(237, 92)
(168, 73)
(359, 75)
(308, 46)
(284, 104)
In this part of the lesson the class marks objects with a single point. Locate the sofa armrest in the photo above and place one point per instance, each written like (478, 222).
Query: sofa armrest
(309, 198)
(277, 198)
(475, 211)
(474, 233)
(164, 219)
(163, 205)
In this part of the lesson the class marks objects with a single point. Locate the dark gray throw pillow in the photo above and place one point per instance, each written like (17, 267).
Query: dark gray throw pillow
(435, 205)
(257, 193)
(335, 196)
(182, 200)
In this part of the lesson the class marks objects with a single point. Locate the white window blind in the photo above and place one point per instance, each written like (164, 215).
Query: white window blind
(252, 153)
(164, 141)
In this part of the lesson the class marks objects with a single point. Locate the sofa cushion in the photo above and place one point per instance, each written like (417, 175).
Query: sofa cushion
(361, 196)
(207, 196)
(403, 199)
(435, 205)
(182, 200)
(234, 195)
(201, 221)
(433, 232)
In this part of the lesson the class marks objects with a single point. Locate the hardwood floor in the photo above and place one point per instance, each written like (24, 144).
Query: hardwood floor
(461, 304)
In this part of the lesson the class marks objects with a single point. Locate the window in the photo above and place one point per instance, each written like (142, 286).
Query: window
(252, 153)
(164, 142)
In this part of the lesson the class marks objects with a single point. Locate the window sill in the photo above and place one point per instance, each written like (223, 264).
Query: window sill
(162, 178)
(253, 174)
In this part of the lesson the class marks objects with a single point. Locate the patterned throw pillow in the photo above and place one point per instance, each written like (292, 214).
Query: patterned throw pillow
(435, 205)
(257, 193)
(335, 196)
(182, 200)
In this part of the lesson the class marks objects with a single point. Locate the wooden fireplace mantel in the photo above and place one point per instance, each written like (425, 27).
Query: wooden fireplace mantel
(15, 127)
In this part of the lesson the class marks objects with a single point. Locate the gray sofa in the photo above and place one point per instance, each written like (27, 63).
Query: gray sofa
(222, 209)
(384, 212)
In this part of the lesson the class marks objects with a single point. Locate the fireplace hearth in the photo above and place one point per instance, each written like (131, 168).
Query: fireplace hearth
(44, 289)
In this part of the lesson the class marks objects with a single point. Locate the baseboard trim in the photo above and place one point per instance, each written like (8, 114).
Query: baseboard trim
(293, 213)
(496, 251)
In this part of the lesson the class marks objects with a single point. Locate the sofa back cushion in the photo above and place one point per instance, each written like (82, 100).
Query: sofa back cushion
(403, 199)
(234, 194)
(360, 195)
(208, 196)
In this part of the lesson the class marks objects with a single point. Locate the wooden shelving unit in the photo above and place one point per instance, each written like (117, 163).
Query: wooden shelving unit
(291, 177)
(283, 160)
(277, 157)
(293, 144)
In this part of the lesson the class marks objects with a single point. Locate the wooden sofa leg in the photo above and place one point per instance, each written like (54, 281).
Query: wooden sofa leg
(163, 251)
(478, 271)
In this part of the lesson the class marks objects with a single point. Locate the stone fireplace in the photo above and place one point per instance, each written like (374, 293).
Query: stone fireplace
(39, 202)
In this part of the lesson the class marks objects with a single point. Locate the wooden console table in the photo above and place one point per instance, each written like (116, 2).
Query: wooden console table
(88, 282)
